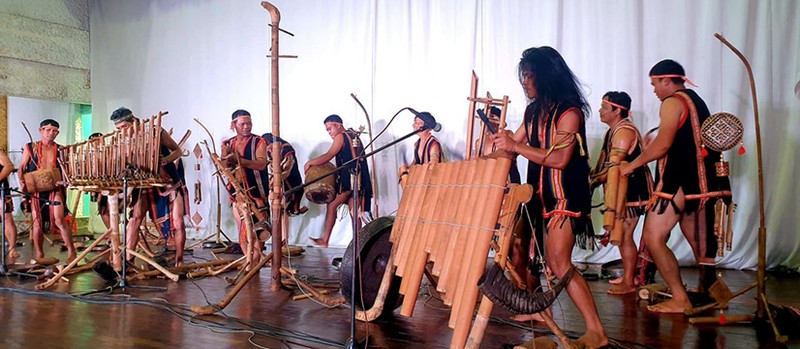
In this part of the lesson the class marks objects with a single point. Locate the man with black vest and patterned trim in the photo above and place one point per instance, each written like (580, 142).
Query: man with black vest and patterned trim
(346, 146)
(249, 153)
(44, 155)
(427, 148)
(686, 184)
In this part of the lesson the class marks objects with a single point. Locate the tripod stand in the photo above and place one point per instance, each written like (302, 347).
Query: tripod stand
(123, 282)
(218, 243)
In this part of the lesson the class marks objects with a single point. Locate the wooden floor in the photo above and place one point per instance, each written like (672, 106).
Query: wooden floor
(141, 318)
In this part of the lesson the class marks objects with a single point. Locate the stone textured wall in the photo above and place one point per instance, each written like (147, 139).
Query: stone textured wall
(44, 49)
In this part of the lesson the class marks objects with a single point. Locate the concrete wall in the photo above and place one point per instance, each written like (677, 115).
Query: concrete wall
(44, 49)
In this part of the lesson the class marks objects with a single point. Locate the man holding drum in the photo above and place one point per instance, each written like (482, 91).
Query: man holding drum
(346, 146)
(40, 176)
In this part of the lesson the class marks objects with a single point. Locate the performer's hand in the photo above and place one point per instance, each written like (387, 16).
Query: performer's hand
(231, 160)
(306, 167)
(593, 183)
(502, 140)
(625, 169)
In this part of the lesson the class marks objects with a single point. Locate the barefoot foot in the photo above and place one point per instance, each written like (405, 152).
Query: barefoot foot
(592, 340)
(622, 289)
(319, 242)
(670, 307)
(616, 281)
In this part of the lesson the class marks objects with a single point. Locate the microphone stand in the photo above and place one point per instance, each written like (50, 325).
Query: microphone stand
(352, 343)
(123, 281)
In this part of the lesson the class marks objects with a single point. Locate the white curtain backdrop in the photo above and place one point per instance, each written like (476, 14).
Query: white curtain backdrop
(206, 58)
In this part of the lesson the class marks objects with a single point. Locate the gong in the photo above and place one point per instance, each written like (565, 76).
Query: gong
(374, 251)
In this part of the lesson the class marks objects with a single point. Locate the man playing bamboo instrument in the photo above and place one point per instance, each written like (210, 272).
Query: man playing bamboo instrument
(552, 139)
(427, 148)
(40, 156)
(346, 146)
(248, 154)
(174, 193)
(685, 183)
(622, 142)
(6, 167)
(290, 173)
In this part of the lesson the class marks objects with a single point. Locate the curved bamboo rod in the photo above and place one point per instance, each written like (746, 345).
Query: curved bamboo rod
(372, 159)
(762, 230)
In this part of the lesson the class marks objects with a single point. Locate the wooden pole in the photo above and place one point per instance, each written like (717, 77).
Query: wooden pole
(276, 196)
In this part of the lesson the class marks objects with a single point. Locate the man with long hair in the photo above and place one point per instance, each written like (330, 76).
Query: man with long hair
(552, 138)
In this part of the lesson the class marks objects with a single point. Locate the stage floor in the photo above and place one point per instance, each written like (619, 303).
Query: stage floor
(258, 317)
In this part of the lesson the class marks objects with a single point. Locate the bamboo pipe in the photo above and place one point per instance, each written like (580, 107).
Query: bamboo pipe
(622, 200)
(466, 219)
(424, 238)
(610, 198)
(413, 230)
(447, 243)
(377, 306)
(408, 222)
(445, 200)
(178, 269)
(476, 250)
(455, 244)
(497, 177)
(170, 275)
(276, 204)
(213, 308)
(517, 194)
(72, 264)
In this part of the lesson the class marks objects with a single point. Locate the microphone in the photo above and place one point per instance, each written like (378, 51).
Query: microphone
(430, 121)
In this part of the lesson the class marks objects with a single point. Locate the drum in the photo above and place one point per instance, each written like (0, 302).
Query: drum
(42, 180)
(324, 190)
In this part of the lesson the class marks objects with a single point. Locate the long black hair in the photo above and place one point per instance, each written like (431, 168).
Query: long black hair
(555, 83)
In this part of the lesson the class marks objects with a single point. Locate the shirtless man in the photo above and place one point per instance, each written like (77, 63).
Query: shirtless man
(43, 155)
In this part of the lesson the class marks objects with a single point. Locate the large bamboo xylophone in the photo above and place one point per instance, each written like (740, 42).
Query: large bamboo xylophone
(100, 164)
(449, 215)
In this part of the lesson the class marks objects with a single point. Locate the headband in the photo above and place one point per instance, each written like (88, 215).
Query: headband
(630, 113)
(683, 77)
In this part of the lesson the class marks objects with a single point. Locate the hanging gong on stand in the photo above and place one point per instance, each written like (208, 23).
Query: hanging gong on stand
(720, 132)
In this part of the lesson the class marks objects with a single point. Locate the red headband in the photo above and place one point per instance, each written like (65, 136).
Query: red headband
(683, 77)
(630, 113)
(237, 118)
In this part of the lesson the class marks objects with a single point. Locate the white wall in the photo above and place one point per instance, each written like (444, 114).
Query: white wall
(205, 59)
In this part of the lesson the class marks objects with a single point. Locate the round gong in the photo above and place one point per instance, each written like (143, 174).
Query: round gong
(374, 251)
